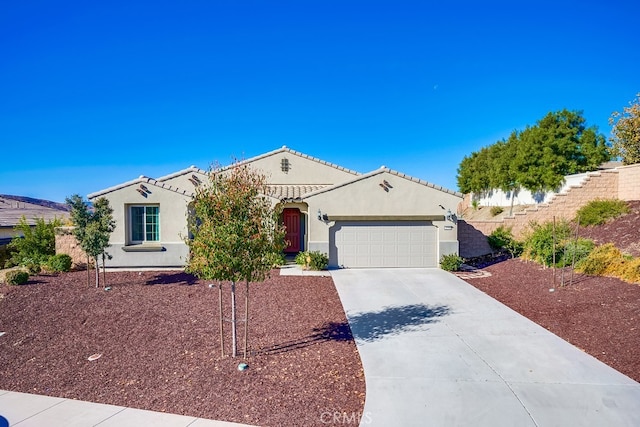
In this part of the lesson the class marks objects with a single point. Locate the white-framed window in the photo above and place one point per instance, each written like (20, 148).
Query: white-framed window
(144, 223)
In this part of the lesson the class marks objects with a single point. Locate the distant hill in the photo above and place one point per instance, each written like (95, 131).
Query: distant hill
(39, 202)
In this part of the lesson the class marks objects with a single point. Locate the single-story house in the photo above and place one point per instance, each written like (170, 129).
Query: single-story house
(379, 219)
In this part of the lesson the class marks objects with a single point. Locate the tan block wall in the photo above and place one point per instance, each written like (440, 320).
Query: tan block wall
(66, 243)
(629, 182)
(604, 184)
(473, 237)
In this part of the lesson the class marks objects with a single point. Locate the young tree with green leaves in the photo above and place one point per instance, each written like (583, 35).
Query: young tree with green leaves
(92, 228)
(625, 135)
(234, 232)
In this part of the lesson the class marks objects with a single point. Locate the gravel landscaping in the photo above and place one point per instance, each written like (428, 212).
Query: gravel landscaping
(156, 336)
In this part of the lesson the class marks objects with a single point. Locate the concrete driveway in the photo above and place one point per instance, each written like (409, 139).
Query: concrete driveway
(438, 352)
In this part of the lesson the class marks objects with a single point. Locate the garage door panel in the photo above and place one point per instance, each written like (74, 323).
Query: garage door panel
(385, 244)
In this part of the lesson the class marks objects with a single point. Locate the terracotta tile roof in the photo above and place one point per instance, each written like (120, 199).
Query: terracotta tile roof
(384, 169)
(291, 192)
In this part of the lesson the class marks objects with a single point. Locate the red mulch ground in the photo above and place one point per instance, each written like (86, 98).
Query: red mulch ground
(600, 315)
(159, 339)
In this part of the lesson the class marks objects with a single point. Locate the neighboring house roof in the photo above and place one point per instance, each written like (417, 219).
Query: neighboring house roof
(379, 171)
(12, 210)
(143, 180)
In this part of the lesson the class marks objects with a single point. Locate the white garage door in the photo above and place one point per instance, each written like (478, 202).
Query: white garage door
(385, 244)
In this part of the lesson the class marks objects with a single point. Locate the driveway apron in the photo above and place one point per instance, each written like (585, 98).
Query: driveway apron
(438, 352)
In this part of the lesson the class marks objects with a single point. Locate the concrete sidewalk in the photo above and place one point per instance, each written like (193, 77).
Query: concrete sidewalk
(32, 410)
(438, 352)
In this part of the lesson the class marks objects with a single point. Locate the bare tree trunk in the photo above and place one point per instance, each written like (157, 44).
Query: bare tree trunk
(575, 247)
(554, 252)
(88, 271)
(246, 319)
(97, 272)
(221, 319)
(104, 272)
(233, 319)
(513, 196)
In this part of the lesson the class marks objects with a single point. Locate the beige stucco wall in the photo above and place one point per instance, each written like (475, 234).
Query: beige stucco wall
(173, 226)
(302, 170)
(367, 198)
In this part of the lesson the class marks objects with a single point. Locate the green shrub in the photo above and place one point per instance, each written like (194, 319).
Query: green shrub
(5, 257)
(312, 260)
(17, 277)
(33, 265)
(598, 211)
(538, 245)
(496, 210)
(319, 261)
(36, 245)
(451, 262)
(575, 250)
(301, 258)
(276, 259)
(59, 263)
(502, 239)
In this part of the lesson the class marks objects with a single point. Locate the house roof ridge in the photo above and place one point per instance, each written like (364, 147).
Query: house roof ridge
(424, 182)
(285, 149)
(184, 171)
(140, 180)
(378, 171)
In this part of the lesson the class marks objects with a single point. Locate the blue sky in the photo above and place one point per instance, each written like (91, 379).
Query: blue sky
(93, 94)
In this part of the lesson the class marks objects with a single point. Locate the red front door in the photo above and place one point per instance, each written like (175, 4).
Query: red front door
(291, 219)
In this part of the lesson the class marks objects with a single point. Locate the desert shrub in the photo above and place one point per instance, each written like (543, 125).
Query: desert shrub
(502, 239)
(598, 211)
(630, 270)
(36, 245)
(59, 263)
(301, 258)
(451, 262)
(607, 260)
(319, 261)
(496, 210)
(538, 244)
(5, 257)
(314, 260)
(475, 204)
(17, 277)
(276, 259)
(33, 265)
(601, 261)
(576, 250)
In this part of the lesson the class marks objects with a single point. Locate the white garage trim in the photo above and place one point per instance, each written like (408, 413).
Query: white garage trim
(362, 244)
